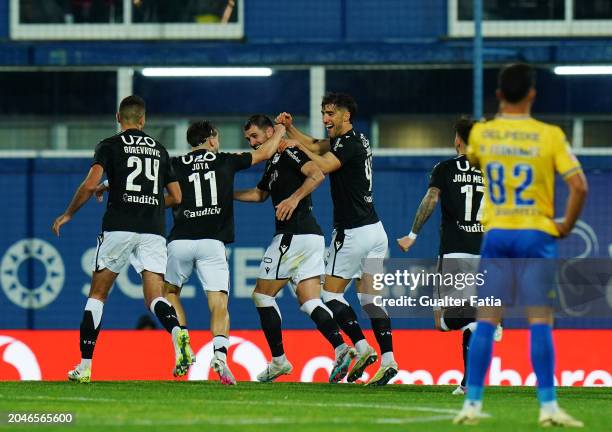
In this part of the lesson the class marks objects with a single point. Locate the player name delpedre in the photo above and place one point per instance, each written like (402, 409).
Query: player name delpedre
(443, 302)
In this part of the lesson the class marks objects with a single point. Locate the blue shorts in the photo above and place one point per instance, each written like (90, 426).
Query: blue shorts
(519, 267)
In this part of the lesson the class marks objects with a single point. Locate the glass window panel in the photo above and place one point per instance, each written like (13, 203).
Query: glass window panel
(592, 9)
(70, 11)
(597, 133)
(514, 10)
(85, 135)
(190, 11)
(415, 132)
(24, 135)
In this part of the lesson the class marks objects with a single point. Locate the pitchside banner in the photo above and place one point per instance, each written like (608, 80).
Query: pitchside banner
(424, 356)
(44, 280)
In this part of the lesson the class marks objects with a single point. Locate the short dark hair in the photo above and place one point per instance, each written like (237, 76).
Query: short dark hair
(515, 80)
(463, 126)
(260, 120)
(131, 109)
(341, 100)
(199, 132)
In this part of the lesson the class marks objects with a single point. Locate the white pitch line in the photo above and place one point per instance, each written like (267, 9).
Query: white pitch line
(250, 402)
(259, 421)
(61, 398)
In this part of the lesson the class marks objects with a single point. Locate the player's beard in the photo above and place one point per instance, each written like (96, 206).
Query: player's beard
(334, 132)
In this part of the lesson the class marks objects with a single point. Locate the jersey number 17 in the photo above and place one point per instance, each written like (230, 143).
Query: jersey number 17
(468, 190)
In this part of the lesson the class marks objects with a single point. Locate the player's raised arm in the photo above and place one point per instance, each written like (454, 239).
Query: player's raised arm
(327, 162)
(425, 210)
(314, 177)
(318, 146)
(578, 189)
(268, 148)
(251, 195)
(84, 192)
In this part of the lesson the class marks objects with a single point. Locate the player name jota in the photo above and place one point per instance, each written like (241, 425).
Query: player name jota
(467, 178)
(204, 212)
(444, 302)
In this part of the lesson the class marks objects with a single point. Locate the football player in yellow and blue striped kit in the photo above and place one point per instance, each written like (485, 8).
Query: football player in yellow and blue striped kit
(519, 157)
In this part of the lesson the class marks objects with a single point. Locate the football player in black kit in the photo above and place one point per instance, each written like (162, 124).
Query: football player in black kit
(137, 169)
(204, 224)
(460, 189)
(359, 239)
(296, 252)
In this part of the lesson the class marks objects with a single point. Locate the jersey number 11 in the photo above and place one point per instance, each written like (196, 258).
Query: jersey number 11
(197, 186)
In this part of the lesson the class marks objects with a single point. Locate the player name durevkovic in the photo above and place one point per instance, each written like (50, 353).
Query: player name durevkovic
(142, 151)
(444, 302)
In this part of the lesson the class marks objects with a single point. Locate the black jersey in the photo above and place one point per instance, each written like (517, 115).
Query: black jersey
(137, 168)
(461, 191)
(207, 184)
(351, 185)
(282, 177)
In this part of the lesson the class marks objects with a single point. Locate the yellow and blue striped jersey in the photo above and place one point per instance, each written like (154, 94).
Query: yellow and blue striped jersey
(519, 157)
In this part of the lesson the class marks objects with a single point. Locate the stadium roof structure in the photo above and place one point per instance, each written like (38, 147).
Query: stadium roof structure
(451, 52)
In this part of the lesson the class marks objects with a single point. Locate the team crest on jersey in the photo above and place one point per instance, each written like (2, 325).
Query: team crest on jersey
(276, 158)
(337, 144)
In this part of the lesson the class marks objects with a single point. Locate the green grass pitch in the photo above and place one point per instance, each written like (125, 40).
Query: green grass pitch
(208, 406)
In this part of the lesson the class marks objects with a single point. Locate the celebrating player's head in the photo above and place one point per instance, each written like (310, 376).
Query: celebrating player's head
(203, 134)
(462, 127)
(258, 129)
(131, 113)
(516, 84)
(338, 110)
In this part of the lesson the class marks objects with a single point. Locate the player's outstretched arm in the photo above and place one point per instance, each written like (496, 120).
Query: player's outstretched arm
(251, 195)
(267, 149)
(318, 146)
(578, 189)
(174, 195)
(425, 210)
(314, 177)
(84, 192)
(327, 162)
